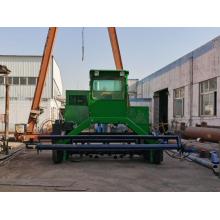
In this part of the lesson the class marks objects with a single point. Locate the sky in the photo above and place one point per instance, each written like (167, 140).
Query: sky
(143, 50)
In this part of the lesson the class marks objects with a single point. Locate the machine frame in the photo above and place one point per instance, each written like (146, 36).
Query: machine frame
(107, 102)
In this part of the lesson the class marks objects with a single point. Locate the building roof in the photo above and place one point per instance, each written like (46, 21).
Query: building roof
(192, 55)
(15, 55)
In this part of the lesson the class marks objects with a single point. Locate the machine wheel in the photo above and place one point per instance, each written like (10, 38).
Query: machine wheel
(146, 156)
(157, 156)
(57, 156)
(153, 156)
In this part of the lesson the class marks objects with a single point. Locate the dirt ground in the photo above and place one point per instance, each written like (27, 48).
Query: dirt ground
(29, 171)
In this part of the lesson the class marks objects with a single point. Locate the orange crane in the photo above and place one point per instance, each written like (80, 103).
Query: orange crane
(31, 134)
(115, 48)
(35, 108)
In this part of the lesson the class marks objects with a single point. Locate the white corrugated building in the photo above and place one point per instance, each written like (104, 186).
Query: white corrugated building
(187, 90)
(132, 87)
(23, 79)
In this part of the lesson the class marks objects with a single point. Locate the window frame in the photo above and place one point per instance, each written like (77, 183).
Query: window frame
(73, 100)
(13, 80)
(3, 78)
(9, 80)
(112, 80)
(121, 91)
(182, 98)
(31, 84)
(202, 93)
(21, 78)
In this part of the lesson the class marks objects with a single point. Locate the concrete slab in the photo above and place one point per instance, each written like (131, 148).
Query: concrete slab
(31, 172)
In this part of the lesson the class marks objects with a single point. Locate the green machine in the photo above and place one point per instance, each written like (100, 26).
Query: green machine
(106, 103)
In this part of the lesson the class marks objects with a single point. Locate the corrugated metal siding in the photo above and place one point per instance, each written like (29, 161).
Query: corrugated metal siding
(57, 87)
(21, 95)
(140, 89)
(26, 66)
(20, 109)
(18, 112)
(132, 85)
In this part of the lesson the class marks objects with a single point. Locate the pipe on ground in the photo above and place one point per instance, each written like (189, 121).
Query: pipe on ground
(206, 163)
(207, 134)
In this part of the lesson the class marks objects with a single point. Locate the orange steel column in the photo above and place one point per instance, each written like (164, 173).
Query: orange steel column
(35, 109)
(115, 48)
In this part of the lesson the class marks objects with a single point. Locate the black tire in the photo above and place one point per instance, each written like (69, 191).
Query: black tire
(153, 156)
(157, 156)
(146, 156)
(57, 156)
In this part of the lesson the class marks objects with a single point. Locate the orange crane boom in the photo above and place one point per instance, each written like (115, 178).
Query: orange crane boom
(35, 108)
(115, 48)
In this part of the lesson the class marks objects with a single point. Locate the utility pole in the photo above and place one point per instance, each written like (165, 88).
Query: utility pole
(6, 114)
(191, 92)
(5, 71)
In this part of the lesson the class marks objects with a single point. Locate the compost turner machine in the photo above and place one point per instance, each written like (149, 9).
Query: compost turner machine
(106, 103)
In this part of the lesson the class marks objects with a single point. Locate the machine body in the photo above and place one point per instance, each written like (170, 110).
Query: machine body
(106, 103)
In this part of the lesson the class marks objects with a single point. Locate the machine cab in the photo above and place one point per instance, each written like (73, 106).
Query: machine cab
(109, 85)
(108, 92)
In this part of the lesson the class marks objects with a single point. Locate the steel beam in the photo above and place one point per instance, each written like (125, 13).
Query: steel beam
(129, 137)
(103, 148)
(41, 78)
(115, 48)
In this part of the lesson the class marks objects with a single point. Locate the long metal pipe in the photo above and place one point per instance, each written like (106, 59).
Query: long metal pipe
(208, 134)
(138, 139)
(107, 147)
(205, 163)
(152, 137)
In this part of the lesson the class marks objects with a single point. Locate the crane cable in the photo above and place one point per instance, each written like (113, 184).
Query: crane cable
(83, 47)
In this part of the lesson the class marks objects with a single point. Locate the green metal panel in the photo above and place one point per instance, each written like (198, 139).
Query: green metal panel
(76, 109)
(140, 116)
(107, 103)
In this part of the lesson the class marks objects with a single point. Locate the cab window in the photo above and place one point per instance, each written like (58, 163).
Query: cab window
(78, 100)
(107, 89)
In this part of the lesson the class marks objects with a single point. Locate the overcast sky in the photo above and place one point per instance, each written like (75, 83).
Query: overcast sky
(143, 50)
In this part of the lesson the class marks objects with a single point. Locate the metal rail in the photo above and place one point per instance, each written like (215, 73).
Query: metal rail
(110, 137)
(110, 143)
(107, 148)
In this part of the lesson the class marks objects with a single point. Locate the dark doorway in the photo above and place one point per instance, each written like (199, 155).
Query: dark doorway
(161, 110)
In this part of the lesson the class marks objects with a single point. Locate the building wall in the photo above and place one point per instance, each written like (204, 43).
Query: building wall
(132, 87)
(188, 72)
(57, 80)
(25, 66)
(21, 96)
